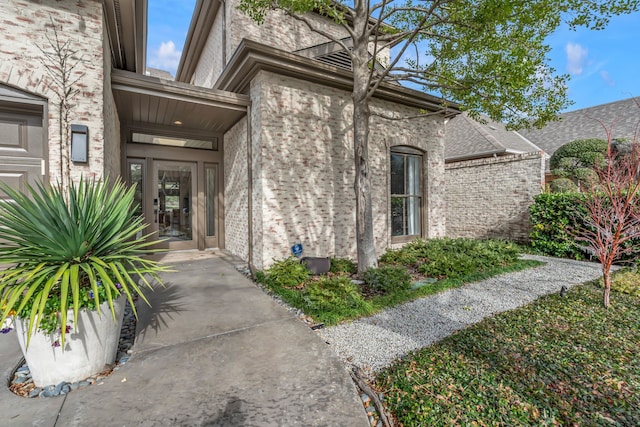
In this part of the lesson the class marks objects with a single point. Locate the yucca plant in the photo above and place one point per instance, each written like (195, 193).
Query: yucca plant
(71, 250)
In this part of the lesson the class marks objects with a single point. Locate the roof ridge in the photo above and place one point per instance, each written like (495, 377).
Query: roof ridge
(490, 138)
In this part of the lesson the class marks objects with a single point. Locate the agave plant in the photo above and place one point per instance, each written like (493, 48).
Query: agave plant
(67, 250)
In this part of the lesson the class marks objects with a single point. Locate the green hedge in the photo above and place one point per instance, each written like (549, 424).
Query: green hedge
(552, 217)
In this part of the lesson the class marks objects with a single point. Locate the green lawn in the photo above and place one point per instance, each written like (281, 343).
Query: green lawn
(559, 361)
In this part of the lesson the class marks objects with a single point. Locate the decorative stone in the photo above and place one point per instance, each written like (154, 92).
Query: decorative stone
(58, 389)
(35, 392)
(46, 393)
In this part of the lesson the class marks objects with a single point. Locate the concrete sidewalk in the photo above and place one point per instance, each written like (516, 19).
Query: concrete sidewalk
(212, 350)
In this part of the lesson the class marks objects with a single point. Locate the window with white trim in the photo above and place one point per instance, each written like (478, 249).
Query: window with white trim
(406, 193)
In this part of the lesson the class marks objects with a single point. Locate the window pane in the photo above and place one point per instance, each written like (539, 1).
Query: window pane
(413, 216)
(143, 138)
(397, 174)
(413, 175)
(397, 216)
(210, 197)
(135, 178)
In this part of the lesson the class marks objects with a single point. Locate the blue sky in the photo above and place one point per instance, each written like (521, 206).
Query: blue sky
(604, 65)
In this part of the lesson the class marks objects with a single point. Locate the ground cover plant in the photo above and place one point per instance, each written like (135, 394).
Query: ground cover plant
(421, 268)
(559, 361)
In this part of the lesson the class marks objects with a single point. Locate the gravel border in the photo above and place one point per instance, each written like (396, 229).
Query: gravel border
(375, 342)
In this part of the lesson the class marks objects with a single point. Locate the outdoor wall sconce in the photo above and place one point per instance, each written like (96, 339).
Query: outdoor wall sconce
(79, 143)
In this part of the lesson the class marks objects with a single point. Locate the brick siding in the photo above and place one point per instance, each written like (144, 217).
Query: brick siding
(25, 28)
(491, 197)
(303, 168)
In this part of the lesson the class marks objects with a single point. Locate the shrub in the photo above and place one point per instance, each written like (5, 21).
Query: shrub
(330, 299)
(388, 279)
(342, 265)
(287, 273)
(552, 216)
(563, 185)
(576, 159)
(453, 257)
(626, 281)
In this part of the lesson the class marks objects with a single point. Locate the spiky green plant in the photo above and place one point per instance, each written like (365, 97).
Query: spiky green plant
(67, 250)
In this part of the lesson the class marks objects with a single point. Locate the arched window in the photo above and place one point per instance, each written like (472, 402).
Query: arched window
(406, 193)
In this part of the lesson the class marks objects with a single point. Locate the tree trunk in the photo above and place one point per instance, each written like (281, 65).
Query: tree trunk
(607, 286)
(362, 184)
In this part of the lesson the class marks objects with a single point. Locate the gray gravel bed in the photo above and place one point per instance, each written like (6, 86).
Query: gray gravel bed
(375, 342)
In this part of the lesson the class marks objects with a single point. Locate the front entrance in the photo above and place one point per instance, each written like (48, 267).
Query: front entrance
(178, 194)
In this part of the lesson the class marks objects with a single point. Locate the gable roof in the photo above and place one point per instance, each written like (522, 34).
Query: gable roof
(622, 117)
(467, 139)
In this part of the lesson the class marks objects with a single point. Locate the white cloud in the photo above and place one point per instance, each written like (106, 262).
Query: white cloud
(607, 78)
(576, 56)
(166, 57)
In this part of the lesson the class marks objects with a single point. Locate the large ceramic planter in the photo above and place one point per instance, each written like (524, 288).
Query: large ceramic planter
(87, 348)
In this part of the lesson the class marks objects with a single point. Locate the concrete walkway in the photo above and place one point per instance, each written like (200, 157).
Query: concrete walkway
(213, 350)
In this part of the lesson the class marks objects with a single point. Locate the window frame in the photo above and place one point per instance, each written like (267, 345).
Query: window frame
(406, 152)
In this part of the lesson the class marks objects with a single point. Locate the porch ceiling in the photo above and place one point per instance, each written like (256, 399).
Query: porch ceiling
(153, 101)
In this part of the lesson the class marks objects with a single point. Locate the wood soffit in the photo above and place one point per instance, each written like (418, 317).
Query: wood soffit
(154, 101)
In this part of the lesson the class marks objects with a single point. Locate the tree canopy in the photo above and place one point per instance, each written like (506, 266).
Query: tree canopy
(490, 56)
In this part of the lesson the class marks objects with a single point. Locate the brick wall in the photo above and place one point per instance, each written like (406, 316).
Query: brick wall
(25, 28)
(278, 31)
(303, 168)
(211, 61)
(236, 222)
(491, 197)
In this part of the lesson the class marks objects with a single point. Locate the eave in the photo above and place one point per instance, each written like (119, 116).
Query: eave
(152, 101)
(126, 22)
(251, 57)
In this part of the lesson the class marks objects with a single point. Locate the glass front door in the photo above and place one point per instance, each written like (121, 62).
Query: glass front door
(174, 203)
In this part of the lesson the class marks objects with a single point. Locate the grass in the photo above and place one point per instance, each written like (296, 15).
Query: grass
(445, 263)
(559, 361)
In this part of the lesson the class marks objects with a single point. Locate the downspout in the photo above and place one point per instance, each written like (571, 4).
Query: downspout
(250, 192)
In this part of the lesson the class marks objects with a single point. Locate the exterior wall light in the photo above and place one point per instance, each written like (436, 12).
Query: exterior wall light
(79, 143)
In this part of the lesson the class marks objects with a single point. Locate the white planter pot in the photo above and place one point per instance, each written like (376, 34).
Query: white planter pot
(87, 348)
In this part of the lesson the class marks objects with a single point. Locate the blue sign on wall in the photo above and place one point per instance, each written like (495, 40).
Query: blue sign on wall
(297, 249)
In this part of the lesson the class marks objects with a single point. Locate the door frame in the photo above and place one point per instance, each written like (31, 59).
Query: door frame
(148, 154)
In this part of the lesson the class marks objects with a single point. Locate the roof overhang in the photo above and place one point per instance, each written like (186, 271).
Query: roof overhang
(152, 101)
(252, 57)
(127, 30)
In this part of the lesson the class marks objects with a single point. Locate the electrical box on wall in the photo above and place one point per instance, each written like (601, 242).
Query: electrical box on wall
(79, 143)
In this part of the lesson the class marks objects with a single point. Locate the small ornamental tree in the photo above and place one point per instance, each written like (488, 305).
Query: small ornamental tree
(613, 209)
(576, 159)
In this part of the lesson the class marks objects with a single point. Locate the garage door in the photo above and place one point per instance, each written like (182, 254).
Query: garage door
(22, 150)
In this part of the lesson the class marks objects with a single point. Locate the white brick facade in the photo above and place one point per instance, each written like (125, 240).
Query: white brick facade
(25, 28)
(303, 168)
(490, 197)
